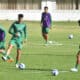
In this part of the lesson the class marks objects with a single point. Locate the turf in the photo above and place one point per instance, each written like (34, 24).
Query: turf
(40, 59)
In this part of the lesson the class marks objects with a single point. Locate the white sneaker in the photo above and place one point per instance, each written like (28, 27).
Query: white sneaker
(74, 69)
(17, 65)
(50, 42)
(4, 58)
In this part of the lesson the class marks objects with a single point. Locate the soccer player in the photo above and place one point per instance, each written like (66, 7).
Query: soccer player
(2, 43)
(46, 22)
(18, 32)
(2, 40)
(75, 69)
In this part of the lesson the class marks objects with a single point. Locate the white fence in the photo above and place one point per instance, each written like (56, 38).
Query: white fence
(35, 15)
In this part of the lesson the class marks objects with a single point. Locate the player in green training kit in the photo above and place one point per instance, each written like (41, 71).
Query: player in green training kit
(18, 32)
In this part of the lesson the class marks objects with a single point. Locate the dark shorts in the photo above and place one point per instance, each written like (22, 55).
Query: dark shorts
(45, 30)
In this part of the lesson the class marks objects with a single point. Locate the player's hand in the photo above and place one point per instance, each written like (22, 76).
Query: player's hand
(16, 35)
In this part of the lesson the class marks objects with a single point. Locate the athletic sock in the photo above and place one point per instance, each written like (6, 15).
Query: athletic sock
(8, 57)
(76, 66)
(17, 61)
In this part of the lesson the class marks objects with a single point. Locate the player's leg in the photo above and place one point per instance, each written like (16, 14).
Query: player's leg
(18, 57)
(45, 32)
(78, 59)
(2, 51)
(2, 47)
(75, 69)
(19, 48)
(45, 36)
(6, 56)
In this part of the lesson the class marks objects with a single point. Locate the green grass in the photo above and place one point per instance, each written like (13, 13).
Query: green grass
(40, 59)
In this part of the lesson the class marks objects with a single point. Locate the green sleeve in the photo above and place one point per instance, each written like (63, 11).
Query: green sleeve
(11, 30)
(25, 32)
(5, 35)
(51, 20)
(41, 18)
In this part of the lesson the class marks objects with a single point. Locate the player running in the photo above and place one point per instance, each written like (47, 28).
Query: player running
(2, 40)
(2, 43)
(18, 32)
(75, 69)
(46, 22)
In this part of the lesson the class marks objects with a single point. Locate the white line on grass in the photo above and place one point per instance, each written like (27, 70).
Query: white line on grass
(64, 71)
(54, 43)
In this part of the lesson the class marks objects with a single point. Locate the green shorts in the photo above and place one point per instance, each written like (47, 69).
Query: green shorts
(2, 45)
(16, 42)
(45, 30)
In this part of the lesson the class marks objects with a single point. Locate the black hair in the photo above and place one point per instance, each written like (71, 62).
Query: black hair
(20, 15)
(45, 7)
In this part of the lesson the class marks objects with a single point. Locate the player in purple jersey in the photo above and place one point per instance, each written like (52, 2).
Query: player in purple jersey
(46, 22)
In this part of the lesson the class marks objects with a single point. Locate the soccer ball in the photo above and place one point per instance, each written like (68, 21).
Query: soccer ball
(71, 36)
(22, 66)
(55, 72)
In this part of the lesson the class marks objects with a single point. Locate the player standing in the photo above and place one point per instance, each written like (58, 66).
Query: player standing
(18, 32)
(75, 69)
(46, 22)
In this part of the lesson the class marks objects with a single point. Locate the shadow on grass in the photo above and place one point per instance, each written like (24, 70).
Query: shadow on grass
(49, 54)
(38, 69)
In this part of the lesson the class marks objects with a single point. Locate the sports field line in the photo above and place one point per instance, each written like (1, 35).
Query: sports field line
(64, 71)
(42, 44)
(53, 44)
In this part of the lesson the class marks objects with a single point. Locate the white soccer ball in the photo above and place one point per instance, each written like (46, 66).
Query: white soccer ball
(22, 66)
(71, 36)
(55, 72)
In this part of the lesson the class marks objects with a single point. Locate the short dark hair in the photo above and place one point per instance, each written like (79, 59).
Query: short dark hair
(45, 7)
(20, 15)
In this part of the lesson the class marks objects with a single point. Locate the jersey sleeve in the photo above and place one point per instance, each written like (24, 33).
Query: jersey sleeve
(25, 32)
(4, 35)
(11, 30)
(42, 18)
(50, 19)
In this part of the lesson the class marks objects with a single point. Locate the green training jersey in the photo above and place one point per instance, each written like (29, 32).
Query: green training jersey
(20, 29)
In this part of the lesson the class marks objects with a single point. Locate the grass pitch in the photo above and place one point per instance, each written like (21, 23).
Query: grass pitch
(40, 59)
